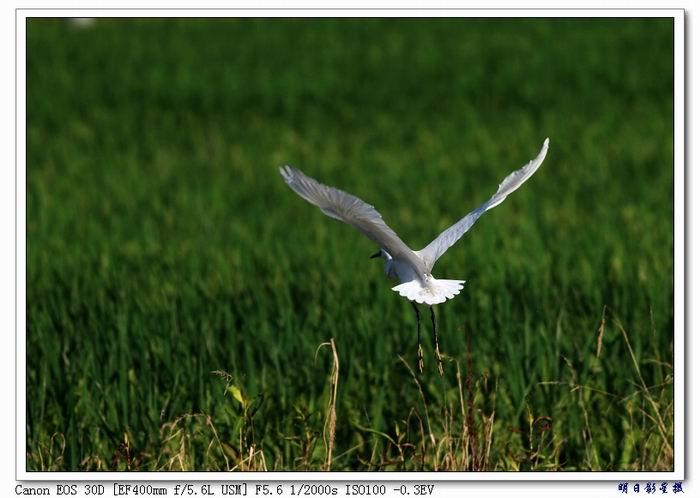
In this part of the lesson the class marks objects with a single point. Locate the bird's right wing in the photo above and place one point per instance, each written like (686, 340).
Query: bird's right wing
(353, 211)
(511, 183)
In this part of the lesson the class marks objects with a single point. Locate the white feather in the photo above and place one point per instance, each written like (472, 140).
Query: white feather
(432, 252)
(435, 291)
(353, 211)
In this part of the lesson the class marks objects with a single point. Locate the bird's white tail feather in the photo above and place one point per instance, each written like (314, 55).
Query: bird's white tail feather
(434, 292)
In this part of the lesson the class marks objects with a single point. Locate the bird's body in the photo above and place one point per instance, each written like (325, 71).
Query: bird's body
(398, 269)
(416, 285)
(413, 269)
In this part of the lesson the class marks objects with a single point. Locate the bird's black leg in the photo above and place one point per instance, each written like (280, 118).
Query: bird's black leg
(437, 345)
(420, 348)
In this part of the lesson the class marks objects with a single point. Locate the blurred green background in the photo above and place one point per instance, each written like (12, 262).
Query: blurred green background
(178, 291)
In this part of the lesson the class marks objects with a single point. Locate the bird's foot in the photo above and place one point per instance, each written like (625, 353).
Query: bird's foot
(438, 356)
(420, 358)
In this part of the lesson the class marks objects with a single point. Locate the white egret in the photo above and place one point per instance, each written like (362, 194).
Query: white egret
(411, 268)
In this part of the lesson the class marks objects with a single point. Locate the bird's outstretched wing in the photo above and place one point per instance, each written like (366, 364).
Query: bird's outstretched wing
(432, 252)
(353, 211)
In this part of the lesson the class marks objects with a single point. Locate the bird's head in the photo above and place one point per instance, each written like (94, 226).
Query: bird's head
(388, 261)
(385, 255)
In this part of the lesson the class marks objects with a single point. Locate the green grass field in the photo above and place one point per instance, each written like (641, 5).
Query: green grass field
(179, 295)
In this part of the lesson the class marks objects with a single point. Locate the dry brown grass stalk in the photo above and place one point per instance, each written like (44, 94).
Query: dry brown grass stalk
(331, 415)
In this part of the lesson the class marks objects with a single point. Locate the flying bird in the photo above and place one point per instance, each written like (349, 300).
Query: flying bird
(412, 268)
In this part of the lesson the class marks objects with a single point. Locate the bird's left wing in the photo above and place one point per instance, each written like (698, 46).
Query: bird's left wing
(446, 239)
(353, 211)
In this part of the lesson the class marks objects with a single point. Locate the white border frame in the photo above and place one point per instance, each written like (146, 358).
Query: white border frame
(679, 240)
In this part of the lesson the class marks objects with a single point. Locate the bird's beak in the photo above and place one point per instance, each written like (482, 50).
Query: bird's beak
(376, 255)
